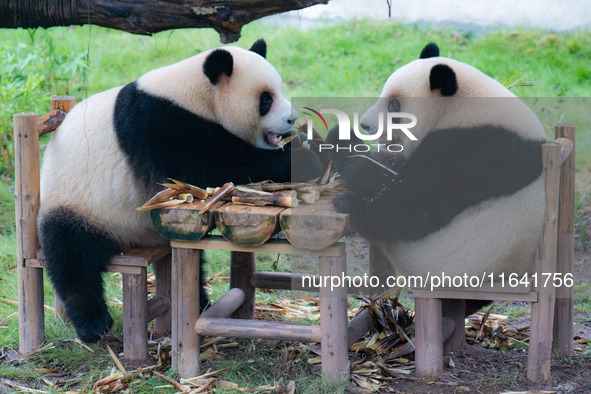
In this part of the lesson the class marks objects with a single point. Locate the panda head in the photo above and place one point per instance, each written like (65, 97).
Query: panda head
(443, 92)
(233, 87)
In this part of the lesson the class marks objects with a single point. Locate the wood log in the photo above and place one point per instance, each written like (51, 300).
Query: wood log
(542, 314)
(157, 306)
(226, 305)
(447, 329)
(162, 271)
(455, 312)
(282, 281)
(146, 16)
(185, 311)
(283, 331)
(245, 225)
(30, 280)
(242, 268)
(185, 222)
(358, 326)
(135, 315)
(50, 121)
(333, 322)
(314, 226)
(563, 312)
(428, 337)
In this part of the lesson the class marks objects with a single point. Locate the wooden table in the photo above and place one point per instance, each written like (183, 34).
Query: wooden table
(312, 230)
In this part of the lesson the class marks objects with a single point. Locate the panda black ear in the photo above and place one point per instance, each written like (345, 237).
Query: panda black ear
(444, 78)
(260, 47)
(430, 50)
(217, 62)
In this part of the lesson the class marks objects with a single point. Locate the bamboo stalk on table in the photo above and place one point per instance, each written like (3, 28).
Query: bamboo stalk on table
(218, 196)
(285, 199)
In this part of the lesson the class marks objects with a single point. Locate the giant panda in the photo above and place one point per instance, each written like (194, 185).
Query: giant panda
(216, 117)
(467, 197)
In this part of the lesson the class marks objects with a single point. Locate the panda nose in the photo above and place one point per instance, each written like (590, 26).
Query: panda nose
(365, 126)
(291, 120)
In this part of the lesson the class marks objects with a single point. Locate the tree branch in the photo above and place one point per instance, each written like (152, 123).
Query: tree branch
(145, 16)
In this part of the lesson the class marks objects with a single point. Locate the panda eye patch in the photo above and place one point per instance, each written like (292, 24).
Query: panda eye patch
(265, 103)
(394, 105)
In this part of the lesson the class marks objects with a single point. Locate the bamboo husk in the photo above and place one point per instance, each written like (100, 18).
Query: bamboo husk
(223, 192)
(161, 196)
(197, 192)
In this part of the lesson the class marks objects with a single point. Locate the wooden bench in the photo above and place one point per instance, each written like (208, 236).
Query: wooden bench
(548, 320)
(137, 310)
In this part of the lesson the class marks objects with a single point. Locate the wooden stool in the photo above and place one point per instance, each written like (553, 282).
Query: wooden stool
(430, 306)
(239, 303)
(137, 310)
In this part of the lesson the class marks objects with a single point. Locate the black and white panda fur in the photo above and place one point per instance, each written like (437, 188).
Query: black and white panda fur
(469, 194)
(207, 120)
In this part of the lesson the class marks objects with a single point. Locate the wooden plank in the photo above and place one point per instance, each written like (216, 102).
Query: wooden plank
(30, 280)
(185, 312)
(281, 246)
(157, 306)
(333, 322)
(138, 257)
(135, 317)
(475, 295)
(236, 328)
(245, 225)
(123, 269)
(282, 281)
(542, 315)
(141, 257)
(315, 226)
(428, 337)
(226, 305)
(162, 271)
(242, 267)
(184, 222)
(455, 312)
(563, 312)
(358, 326)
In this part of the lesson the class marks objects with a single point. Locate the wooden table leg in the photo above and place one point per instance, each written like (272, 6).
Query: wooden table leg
(242, 267)
(455, 310)
(185, 311)
(162, 271)
(135, 316)
(428, 337)
(333, 322)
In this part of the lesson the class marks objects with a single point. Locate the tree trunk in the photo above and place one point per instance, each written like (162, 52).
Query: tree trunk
(145, 16)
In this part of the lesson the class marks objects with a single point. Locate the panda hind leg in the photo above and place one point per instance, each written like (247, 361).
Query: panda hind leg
(76, 254)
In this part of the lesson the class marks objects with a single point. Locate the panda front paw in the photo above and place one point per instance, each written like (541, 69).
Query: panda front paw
(305, 165)
(90, 325)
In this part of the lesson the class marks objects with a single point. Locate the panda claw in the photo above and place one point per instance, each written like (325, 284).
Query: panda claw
(341, 204)
(93, 328)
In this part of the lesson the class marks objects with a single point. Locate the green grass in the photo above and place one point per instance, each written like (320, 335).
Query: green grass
(351, 59)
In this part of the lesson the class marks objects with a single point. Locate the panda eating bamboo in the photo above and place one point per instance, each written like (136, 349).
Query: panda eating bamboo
(216, 117)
